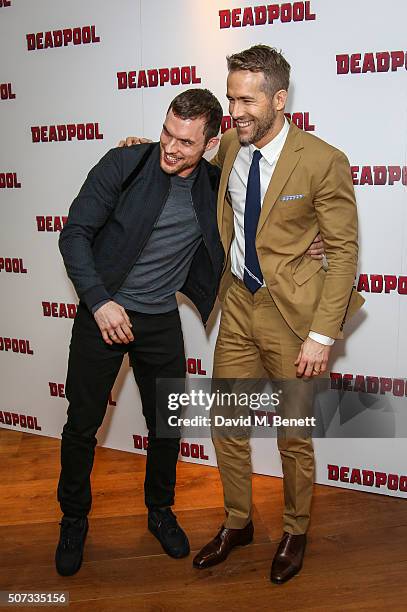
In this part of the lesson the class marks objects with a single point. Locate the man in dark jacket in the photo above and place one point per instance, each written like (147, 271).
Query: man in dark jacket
(142, 228)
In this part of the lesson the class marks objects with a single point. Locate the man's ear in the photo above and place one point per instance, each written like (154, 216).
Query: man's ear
(280, 99)
(212, 143)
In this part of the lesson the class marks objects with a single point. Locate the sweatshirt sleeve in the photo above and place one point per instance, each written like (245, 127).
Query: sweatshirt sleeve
(87, 215)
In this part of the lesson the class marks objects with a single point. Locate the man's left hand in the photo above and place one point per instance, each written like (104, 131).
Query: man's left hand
(316, 249)
(312, 359)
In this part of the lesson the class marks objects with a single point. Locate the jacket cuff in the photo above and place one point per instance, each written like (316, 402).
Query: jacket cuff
(94, 295)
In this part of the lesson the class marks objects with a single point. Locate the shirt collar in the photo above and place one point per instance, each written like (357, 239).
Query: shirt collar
(271, 150)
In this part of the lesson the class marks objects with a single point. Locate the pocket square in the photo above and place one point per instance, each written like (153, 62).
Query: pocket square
(285, 198)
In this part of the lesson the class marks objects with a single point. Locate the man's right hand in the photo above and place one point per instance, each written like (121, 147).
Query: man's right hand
(133, 140)
(114, 323)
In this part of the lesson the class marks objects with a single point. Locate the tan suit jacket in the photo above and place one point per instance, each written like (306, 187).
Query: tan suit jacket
(308, 297)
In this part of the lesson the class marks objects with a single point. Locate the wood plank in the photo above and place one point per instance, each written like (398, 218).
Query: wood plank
(133, 577)
(356, 556)
(110, 538)
(326, 558)
(266, 597)
(10, 442)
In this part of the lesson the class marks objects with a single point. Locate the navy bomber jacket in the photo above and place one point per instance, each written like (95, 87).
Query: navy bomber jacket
(112, 218)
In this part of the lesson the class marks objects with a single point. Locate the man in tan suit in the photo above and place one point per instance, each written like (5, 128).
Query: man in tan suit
(281, 310)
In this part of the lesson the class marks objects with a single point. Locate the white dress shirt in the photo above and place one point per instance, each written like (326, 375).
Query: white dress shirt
(237, 189)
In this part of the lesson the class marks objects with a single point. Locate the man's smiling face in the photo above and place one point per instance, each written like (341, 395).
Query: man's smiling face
(251, 107)
(182, 144)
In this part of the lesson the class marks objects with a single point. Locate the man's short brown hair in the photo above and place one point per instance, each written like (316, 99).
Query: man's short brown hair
(194, 103)
(265, 59)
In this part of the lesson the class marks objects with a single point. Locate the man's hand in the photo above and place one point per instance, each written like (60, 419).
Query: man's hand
(114, 323)
(133, 140)
(316, 249)
(312, 358)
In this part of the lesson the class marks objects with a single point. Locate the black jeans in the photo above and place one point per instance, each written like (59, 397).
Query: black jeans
(156, 352)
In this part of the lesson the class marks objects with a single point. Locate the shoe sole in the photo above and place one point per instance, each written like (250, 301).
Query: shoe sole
(165, 549)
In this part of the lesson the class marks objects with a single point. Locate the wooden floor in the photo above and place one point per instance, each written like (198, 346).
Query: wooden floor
(356, 557)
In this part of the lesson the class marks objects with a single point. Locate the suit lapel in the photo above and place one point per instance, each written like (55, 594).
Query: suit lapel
(224, 179)
(287, 161)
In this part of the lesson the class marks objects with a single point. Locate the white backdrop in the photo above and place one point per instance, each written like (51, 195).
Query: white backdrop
(362, 112)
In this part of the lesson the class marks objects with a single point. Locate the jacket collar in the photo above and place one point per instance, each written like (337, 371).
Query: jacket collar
(287, 161)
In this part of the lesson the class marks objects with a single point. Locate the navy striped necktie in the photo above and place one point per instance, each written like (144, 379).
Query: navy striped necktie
(252, 278)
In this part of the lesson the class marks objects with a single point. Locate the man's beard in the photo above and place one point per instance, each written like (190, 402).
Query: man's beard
(260, 128)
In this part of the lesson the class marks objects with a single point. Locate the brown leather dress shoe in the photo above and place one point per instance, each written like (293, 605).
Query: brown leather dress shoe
(218, 549)
(288, 559)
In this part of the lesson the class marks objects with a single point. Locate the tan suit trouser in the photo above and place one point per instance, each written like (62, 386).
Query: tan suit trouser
(255, 342)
